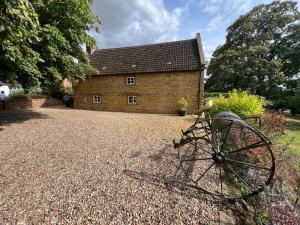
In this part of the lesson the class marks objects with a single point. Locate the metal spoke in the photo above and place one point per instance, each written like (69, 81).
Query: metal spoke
(225, 139)
(231, 122)
(248, 164)
(207, 132)
(191, 160)
(189, 141)
(221, 180)
(240, 178)
(255, 145)
(208, 168)
(204, 150)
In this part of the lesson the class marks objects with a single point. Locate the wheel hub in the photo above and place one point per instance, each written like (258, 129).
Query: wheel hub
(219, 157)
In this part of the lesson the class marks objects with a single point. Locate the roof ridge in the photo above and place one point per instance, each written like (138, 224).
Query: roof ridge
(136, 46)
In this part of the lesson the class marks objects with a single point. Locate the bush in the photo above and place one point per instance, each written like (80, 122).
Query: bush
(214, 94)
(239, 102)
(68, 90)
(19, 95)
(273, 123)
(182, 103)
(58, 92)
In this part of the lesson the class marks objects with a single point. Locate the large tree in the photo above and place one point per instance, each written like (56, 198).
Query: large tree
(18, 31)
(53, 34)
(261, 53)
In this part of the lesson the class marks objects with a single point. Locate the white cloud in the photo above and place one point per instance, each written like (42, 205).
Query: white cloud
(213, 24)
(215, 6)
(136, 22)
(240, 5)
(211, 6)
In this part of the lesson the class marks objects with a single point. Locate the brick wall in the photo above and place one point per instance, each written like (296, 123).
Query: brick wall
(156, 93)
(27, 104)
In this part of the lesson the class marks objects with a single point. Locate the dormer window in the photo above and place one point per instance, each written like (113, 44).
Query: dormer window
(130, 80)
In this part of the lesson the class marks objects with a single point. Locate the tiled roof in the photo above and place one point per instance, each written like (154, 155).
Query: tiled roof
(163, 57)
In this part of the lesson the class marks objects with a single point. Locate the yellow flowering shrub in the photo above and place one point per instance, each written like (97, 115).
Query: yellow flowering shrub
(239, 102)
(182, 103)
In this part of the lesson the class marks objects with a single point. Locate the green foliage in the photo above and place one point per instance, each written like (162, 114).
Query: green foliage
(292, 137)
(18, 30)
(41, 41)
(68, 90)
(262, 51)
(19, 95)
(214, 94)
(182, 103)
(294, 102)
(241, 103)
(260, 217)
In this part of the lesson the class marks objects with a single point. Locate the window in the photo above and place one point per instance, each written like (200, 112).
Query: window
(2, 92)
(130, 80)
(131, 99)
(96, 99)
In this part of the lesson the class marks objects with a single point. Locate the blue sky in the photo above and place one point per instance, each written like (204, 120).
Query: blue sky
(137, 22)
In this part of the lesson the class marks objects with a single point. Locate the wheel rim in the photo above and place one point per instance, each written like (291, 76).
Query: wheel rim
(236, 161)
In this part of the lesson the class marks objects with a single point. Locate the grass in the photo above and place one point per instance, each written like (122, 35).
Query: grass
(293, 133)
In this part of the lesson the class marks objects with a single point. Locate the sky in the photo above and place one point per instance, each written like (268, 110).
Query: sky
(138, 22)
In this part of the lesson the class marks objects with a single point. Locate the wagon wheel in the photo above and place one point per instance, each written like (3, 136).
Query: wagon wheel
(236, 162)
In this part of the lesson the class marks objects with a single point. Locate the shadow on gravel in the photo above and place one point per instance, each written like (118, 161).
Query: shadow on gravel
(167, 174)
(168, 183)
(19, 116)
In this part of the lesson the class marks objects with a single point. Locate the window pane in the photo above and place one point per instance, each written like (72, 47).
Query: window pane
(130, 80)
(131, 99)
(96, 99)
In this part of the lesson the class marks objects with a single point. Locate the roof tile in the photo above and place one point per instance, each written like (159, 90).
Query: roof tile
(163, 57)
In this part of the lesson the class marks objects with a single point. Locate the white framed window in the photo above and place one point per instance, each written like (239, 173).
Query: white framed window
(131, 100)
(97, 99)
(130, 80)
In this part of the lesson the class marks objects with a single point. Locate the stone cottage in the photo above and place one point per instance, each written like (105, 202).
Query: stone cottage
(147, 78)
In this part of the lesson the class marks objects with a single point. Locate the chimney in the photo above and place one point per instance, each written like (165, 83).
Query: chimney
(89, 50)
(200, 49)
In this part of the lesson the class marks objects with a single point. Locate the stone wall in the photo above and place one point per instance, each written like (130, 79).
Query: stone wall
(30, 103)
(155, 92)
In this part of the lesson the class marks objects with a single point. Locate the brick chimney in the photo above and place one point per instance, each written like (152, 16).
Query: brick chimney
(89, 50)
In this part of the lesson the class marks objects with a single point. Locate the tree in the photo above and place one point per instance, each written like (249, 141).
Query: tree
(18, 30)
(63, 32)
(60, 30)
(261, 52)
(294, 102)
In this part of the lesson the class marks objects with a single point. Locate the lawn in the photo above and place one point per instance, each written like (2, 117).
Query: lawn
(293, 133)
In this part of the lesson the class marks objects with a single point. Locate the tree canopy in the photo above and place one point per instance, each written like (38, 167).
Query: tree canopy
(41, 40)
(261, 53)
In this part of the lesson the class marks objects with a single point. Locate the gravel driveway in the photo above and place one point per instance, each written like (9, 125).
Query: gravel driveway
(66, 166)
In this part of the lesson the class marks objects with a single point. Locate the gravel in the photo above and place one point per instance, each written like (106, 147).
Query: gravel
(67, 166)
